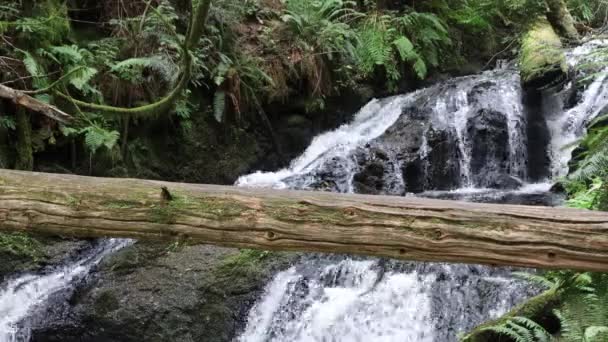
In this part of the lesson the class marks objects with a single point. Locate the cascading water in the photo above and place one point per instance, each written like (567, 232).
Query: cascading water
(21, 296)
(463, 139)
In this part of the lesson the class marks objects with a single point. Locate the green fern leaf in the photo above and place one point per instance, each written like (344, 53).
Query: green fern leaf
(219, 105)
(97, 137)
(420, 68)
(596, 334)
(405, 48)
(35, 69)
(81, 78)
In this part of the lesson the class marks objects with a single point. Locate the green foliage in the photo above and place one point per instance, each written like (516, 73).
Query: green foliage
(583, 314)
(20, 244)
(323, 39)
(219, 105)
(132, 69)
(591, 12)
(7, 122)
(585, 196)
(416, 39)
(521, 329)
(97, 137)
(429, 34)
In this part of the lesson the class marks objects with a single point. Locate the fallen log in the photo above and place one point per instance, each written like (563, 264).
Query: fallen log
(21, 98)
(398, 227)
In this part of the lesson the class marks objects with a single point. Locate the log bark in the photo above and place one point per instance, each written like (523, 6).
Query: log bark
(22, 99)
(397, 227)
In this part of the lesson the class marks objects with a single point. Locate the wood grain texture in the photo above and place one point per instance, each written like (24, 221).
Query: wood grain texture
(398, 227)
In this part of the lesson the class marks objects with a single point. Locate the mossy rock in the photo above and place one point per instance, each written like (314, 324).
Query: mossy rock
(19, 252)
(159, 292)
(542, 59)
(539, 309)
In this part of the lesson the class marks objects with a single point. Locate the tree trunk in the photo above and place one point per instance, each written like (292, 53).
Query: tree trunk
(5, 150)
(25, 154)
(561, 19)
(397, 227)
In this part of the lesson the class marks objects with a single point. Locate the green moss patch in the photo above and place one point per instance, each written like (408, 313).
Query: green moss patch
(542, 60)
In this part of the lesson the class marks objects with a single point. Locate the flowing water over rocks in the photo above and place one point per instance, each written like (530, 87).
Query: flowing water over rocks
(472, 138)
(20, 296)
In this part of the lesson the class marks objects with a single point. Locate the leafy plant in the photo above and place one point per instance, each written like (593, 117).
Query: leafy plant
(521, 329)
(323, 38)
(416, 39)
(97, 137)
(7, 122)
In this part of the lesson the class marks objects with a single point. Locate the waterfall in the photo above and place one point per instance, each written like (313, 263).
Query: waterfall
(462, 139)
(20, 296)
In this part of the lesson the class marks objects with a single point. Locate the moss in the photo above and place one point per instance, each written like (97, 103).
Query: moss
(21, 245)
(241, 272)
(18, 252)
(245, 258)
(213, 207)
(539, 309)
(542, 60)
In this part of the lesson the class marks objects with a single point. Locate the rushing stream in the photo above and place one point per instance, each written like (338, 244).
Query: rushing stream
(476, 138)
(473, 138)
(22, 295)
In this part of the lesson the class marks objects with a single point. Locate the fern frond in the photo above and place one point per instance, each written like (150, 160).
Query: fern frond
(219, 105)
(97, 137)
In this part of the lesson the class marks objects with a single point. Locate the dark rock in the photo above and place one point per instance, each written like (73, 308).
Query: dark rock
(151, 292)
(443, 160)
(489, 136)
(371, 179)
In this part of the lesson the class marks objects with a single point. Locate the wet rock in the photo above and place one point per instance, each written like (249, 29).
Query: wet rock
(23, 253)
(443, 160)
(489, 136)
(151, 292)
(371, 179)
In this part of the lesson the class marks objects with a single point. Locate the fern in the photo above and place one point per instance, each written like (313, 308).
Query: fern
(36, 70)
(414, 39)
(521, 329)
(7, 122)
(68, 54)
(219, 105)
(132, 69)
(81, 78)
(429, 34)
(97, 137)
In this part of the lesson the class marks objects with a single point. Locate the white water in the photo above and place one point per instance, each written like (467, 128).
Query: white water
(19, 297)
(342, 305)
(370, 122)
(568, 125)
